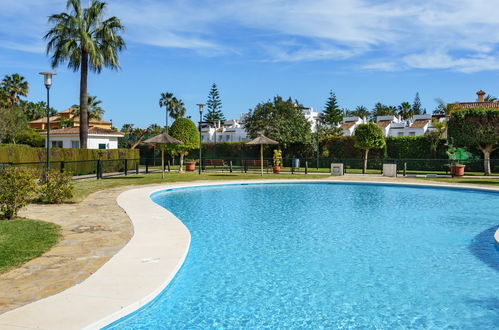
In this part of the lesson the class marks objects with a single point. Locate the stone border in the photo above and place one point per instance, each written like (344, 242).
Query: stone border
(143, 268)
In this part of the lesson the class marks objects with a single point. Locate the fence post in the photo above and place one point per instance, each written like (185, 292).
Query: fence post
(405, 168)
(62, 166)
(126, 167)
(306, 167)
(169, 166)
(136, 167)
(98, 169)
(147, 165)
(230, 166)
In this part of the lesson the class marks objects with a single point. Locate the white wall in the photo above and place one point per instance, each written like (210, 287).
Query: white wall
(93, 141)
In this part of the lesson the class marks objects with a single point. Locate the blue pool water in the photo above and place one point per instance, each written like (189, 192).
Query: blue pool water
(316, 255)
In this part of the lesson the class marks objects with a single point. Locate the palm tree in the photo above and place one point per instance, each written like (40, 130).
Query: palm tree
(14, 86)
(85, 40)
(490, 98)
(178, 110)
(405, 110)
(447, 108)
(168, 101)
(95, 111)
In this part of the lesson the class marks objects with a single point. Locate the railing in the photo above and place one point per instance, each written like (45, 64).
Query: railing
(82, 169)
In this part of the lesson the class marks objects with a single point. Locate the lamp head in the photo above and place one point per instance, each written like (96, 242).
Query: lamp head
(48, 78)
(200, 107)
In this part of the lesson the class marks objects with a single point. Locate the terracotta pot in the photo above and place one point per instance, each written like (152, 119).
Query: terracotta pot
(276, 169)
(457, 170)
(190, 166)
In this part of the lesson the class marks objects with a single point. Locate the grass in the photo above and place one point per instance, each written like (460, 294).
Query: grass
(22, 240)
(84, 188)
(484, 181)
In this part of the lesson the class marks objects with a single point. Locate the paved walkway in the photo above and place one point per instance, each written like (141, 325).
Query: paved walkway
(93, 231)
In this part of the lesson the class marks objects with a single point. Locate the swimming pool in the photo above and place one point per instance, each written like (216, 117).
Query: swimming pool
(319, 255)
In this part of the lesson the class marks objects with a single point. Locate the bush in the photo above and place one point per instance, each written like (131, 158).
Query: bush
(58, 189)
(17, 188)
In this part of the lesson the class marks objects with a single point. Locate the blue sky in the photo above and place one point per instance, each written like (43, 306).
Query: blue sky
(365, 51)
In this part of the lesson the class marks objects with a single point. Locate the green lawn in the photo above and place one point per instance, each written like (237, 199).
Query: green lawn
(22, 240)
(484, 181)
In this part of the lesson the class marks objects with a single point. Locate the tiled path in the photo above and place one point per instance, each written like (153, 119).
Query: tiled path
(93, 231)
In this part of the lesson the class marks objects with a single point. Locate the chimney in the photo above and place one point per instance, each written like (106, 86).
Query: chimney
(480, 94)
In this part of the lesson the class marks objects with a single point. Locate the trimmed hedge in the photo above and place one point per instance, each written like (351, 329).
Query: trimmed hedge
(79, 161)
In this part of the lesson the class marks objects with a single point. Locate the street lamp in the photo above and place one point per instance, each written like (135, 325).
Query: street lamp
(317, 130)
(48, 83)
(200, 143)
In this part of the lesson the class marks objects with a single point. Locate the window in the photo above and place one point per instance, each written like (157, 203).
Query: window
(102, 146)
(412, 133)
(75, 144)
(56, 144)
(400, 134)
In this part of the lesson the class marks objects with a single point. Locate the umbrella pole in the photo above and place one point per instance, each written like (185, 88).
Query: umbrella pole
(162, 162)
(261, 157)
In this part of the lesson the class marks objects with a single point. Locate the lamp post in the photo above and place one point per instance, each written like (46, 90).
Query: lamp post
(48, 83)
(317, 130)
(200, 142)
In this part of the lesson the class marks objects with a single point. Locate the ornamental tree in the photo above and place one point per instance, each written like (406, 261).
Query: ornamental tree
(368, 136)
(281, 120)
(185, 130)
(476, 127)
(214, 105)
(332, 113)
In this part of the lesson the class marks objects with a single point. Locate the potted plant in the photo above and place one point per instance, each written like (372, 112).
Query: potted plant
(456, 155)
(277, 161)
(190, 166)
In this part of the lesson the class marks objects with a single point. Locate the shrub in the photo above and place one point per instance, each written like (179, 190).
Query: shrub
(185, 130)
(17, 188)
(58, 188)
(368, 136)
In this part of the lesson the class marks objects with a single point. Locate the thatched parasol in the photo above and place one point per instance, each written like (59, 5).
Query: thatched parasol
(163, 138)
(261, 140)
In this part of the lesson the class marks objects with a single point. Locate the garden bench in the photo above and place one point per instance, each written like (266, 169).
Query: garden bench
(255, 163)
(215, 163)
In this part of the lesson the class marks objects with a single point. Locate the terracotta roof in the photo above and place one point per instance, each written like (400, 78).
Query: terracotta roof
(384, 123)
(44, 120)
(420, 123)
(480, 92)
(93, 121)
(347, 125)
(69, 110)
(91, 130)
(469, 105)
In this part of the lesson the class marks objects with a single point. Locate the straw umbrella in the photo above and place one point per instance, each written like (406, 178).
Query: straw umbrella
(261, 140)
(162, 139)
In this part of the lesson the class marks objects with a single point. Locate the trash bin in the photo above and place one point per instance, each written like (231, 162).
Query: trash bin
(295, 162)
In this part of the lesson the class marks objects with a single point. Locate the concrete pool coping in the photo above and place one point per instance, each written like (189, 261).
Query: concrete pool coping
(144, 267)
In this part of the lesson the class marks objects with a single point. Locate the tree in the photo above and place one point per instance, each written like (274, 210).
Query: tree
(185, 130)
(360, 111)
(178, 110)
(490, 98)
(368, 136)
(405, 110)
(33, 111)
(383, 110)
(476, 127)
(280, 120)
(332, 113)
(434, 136)
(13, 87)
(85, 40)
(214, 106)
(12, 123)
(95, 111)
(417, 109)
(443, 108)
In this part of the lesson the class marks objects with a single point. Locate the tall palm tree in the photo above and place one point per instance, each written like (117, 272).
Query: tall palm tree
(178, 110)
(490, 98)
(168, 101)
(84, 39)
(95, 111)
(14, 86)
(405, 110)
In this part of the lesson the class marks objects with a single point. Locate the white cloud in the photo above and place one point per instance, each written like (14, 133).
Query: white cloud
(400, 34)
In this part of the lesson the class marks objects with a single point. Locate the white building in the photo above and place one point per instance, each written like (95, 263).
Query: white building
(349, 125)
(416, 126)
(312, 117)
(98, 138)
(231, 130)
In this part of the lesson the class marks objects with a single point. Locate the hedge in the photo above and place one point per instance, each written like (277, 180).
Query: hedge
(18, 153)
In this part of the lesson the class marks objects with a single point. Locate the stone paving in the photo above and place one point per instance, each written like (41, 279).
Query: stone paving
(93, 231)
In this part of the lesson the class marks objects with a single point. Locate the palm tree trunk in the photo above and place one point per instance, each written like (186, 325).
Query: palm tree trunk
(83, 100)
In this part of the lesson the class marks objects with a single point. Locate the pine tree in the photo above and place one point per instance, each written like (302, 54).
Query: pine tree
(332, 114)
(417, 109)
(214, 105)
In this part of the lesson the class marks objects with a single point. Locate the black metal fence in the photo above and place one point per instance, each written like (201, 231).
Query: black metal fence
(108, 168)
